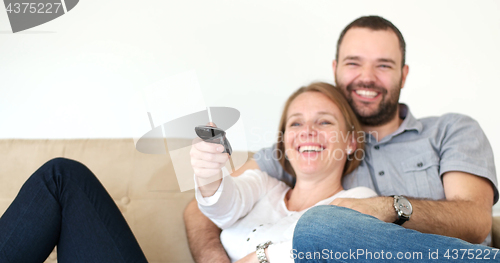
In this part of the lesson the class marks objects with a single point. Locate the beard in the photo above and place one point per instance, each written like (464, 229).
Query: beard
(386, 110)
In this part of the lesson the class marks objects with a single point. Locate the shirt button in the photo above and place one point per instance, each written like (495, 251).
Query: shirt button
(420, 164)
(381, 173)
(254, 230)
(376, 147)
(248, 239)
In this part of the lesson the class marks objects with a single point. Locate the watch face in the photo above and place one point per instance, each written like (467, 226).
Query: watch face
(404, 206)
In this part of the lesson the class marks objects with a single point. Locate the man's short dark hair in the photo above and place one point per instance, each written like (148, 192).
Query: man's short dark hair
(374, 23)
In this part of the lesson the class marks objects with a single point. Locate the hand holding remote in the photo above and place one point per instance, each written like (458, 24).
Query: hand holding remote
(207, 160)
(212, 134)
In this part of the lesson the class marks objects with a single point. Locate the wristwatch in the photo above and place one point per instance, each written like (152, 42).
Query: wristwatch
(403, 209)
(261, 255)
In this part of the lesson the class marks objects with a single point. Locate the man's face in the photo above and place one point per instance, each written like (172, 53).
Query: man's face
(370, 74)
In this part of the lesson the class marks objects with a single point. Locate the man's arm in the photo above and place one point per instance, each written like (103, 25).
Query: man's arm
(465, 214)
(203, 236)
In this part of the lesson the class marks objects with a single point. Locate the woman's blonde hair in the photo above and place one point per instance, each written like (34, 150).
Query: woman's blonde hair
(352, 125)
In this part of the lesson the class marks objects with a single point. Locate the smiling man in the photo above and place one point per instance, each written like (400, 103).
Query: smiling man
(371, 73)
(434, 175)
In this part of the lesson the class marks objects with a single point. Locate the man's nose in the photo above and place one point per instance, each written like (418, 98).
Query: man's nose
(367, 74)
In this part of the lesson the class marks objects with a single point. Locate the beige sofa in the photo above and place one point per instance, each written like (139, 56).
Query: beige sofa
(144, 187)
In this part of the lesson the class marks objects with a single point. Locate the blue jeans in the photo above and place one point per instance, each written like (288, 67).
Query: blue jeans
(339, 234)
(64, 204)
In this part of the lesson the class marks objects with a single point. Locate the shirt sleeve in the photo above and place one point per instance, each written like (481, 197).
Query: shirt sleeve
(235, 197)
(465, 148)
(280, 253)
(268, 162)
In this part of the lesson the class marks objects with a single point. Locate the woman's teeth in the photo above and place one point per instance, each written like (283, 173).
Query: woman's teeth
(310, 148)
(367, 93)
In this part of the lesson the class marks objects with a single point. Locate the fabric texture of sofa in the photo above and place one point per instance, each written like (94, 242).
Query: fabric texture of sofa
(144, 187)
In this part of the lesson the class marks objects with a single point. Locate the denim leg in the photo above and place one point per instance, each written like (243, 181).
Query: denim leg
(339, 234)
(64, 204)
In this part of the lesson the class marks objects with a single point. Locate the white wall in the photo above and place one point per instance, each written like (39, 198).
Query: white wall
(80, 75)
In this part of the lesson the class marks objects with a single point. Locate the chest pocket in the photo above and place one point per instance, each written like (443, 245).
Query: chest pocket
(421, 176)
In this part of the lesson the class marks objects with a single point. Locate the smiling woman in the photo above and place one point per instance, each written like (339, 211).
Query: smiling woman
(321, 96)
(317, 144)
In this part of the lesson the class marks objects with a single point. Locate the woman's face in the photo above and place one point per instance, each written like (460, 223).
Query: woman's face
(316, 137)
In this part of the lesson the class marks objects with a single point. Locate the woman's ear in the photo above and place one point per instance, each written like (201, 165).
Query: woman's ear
(352, 145)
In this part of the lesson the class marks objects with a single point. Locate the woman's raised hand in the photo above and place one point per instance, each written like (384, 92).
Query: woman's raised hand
(207, 160)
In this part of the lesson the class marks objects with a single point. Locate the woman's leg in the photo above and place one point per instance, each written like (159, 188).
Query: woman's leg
(64, 204)
(339, 234)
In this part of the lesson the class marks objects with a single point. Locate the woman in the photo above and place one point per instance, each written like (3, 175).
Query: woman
(317, 145)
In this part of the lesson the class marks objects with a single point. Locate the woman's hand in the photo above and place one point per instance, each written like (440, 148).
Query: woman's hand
(250, 258)
(207, 161)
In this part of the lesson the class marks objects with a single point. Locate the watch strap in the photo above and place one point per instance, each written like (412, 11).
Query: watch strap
(400, 220)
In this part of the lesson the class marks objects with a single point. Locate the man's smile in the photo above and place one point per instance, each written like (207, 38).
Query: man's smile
(366, 94)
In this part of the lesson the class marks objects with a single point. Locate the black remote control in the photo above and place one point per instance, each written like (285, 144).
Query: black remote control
(214, 135)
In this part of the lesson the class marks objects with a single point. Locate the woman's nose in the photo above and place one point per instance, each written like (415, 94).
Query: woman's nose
(310, 130)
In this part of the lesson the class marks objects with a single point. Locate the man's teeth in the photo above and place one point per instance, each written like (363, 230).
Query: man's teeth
(310, 148)
(367, 93)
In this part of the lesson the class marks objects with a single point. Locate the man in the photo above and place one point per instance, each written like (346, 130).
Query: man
(443, 166)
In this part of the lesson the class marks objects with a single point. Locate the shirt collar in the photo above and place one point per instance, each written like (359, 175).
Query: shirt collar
(409, 123)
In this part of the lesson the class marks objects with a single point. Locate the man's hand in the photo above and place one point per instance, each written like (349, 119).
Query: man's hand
(380, 207)
(465, 214)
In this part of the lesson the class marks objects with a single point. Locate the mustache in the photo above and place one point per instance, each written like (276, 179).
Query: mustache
(370, 86)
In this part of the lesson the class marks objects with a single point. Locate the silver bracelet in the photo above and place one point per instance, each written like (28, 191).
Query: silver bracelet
(261, 254)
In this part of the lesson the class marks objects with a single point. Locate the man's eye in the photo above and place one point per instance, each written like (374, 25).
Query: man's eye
(351, 64)
(384, 66)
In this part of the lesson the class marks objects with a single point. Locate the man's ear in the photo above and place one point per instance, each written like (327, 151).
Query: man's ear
(404, 72)
(334, 66)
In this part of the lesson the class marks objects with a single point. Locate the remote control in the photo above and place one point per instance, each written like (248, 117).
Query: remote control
(214, 135)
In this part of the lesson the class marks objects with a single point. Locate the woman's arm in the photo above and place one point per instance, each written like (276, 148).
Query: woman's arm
(275, 253)
(208, 187)
(235, 197)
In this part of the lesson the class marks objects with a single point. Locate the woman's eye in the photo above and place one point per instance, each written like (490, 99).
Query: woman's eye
(325, 123)
(294, 124)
